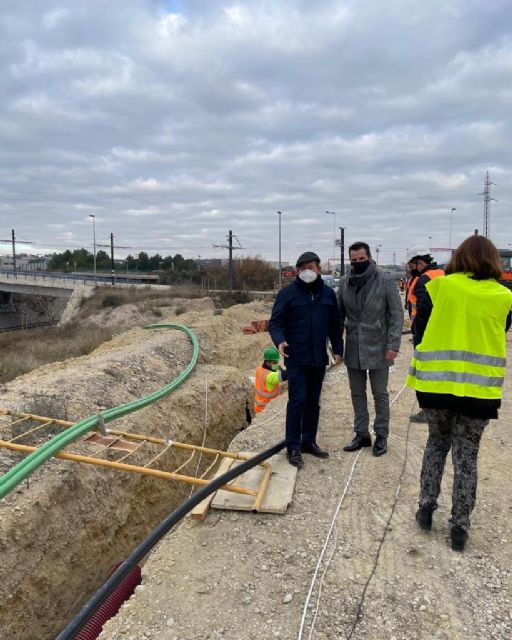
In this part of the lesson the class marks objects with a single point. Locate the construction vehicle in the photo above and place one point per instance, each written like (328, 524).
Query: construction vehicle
(506, 266)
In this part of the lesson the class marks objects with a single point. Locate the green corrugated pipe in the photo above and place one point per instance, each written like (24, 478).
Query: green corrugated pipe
(37, 458)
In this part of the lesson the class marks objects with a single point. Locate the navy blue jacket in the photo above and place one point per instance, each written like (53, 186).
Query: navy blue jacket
(305, 317)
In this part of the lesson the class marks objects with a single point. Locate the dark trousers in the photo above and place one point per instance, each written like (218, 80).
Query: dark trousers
(357, 379)
(303, 409)
(447, 429)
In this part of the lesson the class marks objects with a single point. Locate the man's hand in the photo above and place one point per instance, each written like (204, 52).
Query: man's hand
(281, 349)
(390, 355)
(337, 360)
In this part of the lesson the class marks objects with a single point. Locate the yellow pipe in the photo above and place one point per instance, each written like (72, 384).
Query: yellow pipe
(129, 467)
(263, 486)
(62, 423)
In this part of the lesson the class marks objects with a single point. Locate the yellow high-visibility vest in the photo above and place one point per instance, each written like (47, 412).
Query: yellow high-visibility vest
(463, 350)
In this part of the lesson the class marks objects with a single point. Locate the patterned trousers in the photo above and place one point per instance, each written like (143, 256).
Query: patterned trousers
(448, 429)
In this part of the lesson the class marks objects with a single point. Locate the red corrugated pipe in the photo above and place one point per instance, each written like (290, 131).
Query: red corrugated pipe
(111, 605)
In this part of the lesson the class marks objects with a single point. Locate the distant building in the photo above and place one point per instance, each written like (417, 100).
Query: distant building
(25, 262)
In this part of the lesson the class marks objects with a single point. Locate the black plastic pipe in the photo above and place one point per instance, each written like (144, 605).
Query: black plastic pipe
(91, 606)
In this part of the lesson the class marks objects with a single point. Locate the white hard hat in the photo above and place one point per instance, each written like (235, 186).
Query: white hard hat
(416, 251)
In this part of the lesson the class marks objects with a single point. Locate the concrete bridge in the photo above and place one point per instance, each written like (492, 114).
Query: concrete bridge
(61, 298)
(38, 286)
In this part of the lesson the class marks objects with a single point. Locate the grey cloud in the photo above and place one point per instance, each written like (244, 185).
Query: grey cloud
(173, 122)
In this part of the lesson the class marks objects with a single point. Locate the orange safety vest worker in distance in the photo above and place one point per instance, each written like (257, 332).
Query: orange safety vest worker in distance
(409, 291)
(267, 387)
(411, 296)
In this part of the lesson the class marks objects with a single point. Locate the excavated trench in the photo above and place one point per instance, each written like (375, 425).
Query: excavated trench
(62, 532)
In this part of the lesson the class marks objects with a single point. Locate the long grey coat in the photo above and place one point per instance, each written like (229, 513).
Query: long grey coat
(374, 329)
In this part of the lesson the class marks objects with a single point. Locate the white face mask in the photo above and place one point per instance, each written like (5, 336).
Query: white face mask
(308, 276)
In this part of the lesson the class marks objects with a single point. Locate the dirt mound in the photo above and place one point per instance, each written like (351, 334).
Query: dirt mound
(138, 314)
(72, 522)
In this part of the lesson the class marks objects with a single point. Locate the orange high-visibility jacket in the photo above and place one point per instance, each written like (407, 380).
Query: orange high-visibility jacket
(266, 386)
(411, 296)
(409, 291)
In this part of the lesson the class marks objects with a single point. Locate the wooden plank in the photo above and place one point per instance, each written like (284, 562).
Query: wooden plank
(279, 492)
(200, 511)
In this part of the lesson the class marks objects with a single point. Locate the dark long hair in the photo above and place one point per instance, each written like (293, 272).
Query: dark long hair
(476, 255)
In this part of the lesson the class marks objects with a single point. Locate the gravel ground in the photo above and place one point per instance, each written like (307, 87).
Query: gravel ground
(244, 576)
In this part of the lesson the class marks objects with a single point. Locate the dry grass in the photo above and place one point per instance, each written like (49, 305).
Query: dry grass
(23, 351)
(105, 297)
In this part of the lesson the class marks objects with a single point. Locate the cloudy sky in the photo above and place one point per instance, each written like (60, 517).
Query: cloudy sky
(174, 121)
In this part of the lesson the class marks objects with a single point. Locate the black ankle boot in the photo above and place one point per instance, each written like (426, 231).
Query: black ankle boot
(424, 518)
(458, 537)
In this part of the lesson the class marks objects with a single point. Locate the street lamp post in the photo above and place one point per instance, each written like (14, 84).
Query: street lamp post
(377, 249)
(94, 238)
(280, 266)
(451, 227)
(430, 243)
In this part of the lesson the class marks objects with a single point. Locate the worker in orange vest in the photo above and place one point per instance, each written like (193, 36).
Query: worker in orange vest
(409, 287)
(269, 379)
(422, 265)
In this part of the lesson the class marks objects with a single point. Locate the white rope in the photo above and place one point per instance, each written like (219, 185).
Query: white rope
(327, 539)
(322, 553)
(206, 424)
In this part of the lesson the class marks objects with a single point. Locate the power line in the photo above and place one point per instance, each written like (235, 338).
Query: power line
(230, 247)
(487, 204)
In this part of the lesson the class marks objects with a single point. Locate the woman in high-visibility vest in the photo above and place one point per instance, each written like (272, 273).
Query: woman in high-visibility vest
(457, 371)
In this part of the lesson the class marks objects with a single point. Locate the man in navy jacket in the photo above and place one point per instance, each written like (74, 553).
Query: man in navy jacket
(305, 315)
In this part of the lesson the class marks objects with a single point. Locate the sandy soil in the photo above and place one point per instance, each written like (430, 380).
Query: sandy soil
(71, 523)
(240, 576)
(127, 316)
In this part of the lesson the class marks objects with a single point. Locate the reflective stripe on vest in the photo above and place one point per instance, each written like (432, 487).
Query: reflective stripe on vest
(262, 394)
(433, 273)
(453, 376)
(463, 349)
(458, 354)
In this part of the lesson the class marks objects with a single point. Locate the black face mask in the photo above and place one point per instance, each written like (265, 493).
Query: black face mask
(414, 273)
(360, 267)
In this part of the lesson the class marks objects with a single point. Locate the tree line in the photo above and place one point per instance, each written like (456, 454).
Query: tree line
(248, 273)
(83, 260)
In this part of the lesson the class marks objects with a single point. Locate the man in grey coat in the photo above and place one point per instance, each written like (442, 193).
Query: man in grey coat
(371, 311)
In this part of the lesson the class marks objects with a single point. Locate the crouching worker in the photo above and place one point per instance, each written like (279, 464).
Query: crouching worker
(269, 379)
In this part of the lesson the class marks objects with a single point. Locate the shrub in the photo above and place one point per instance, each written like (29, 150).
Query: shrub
(23, 351)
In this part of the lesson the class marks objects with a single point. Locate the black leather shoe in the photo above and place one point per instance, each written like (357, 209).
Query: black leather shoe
(358, 443)
(424, 518)
(381, 446)
(295, 459)
(313, 449)
(459, 538)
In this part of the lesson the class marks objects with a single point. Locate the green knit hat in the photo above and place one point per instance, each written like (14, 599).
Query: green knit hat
(271, 353)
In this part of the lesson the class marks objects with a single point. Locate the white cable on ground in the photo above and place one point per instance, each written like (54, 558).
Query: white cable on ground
(322, 553)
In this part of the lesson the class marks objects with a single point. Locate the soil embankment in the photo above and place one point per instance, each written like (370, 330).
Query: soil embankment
(61, 533)
(239, 576)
